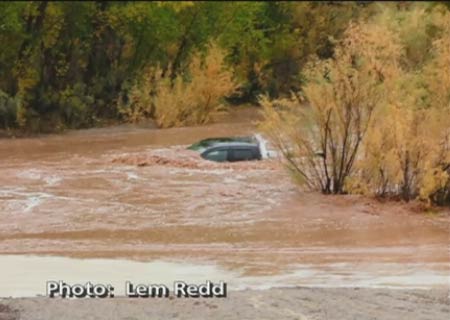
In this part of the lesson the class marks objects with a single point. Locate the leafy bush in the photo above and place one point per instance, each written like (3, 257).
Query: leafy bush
(75, 106)
(187, 100)
(321, 140)
(370, 123)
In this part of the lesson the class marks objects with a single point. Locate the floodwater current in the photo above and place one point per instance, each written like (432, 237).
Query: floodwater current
(133, 198)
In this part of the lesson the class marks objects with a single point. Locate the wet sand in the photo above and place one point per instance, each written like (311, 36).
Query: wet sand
(288, 303)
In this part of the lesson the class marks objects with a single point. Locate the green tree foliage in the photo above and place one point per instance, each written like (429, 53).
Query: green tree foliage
(67, 63)
(75, 64)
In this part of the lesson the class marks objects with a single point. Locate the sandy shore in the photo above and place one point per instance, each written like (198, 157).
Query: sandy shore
(283, 303)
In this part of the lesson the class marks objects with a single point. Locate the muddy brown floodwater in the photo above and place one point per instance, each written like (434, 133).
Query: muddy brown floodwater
(136, 193)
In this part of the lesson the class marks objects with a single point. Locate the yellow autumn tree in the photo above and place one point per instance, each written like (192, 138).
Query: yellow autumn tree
(376, 118)
(321, 138)
(436, 184)
(407, 147)
(190, 99)
(195, 100)
(401, 142)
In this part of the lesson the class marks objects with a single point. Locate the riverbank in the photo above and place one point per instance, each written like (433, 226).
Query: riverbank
(16, 133)
(235, 114)
(281, 303)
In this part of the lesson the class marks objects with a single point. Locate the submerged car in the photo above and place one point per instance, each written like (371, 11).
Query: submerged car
(210, 142)
(232, 149)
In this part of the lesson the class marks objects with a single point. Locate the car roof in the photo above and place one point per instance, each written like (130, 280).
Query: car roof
(230, 139)
(232, 144)
(204, 144)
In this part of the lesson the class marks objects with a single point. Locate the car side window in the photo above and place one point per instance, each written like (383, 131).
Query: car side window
(217, 155)
(243, 155)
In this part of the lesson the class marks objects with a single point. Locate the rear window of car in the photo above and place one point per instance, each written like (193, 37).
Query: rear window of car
(217, 155)
(243, 154)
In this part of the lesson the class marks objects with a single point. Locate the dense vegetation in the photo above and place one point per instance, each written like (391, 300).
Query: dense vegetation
(356, 94)
(73, 64)
(375, 117)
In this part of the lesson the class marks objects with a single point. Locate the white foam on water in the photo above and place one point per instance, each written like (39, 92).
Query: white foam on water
(52, 180)
(31, 174)
(23, 201)
(132, 176)
(32, 202)
(35, 174)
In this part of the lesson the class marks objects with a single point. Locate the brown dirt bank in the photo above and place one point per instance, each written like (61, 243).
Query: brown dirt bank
(282, 303)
